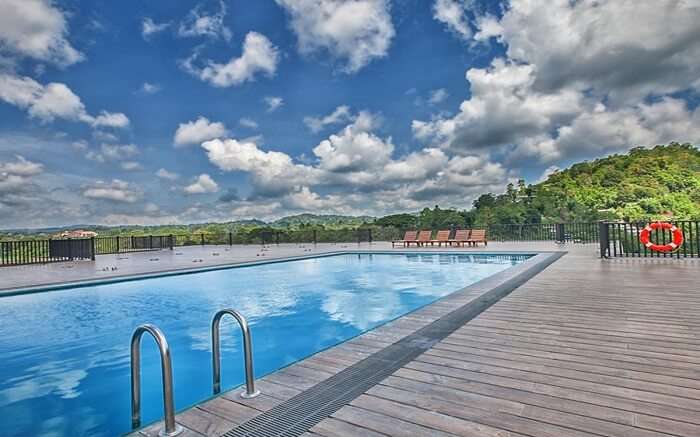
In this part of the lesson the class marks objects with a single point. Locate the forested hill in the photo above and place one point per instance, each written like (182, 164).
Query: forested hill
(661, 182)
(321, 219)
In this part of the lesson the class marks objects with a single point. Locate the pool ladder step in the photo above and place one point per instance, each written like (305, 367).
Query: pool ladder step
(171, 428)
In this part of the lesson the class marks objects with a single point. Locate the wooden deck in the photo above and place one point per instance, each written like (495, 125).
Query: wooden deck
(587, 347)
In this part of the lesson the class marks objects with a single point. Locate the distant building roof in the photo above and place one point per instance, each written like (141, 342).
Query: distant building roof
(78, 233)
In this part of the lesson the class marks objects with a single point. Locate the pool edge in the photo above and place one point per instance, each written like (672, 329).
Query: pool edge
(41, 288)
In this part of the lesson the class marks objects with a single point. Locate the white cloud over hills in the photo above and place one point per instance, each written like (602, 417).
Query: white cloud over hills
(354, 170)
(604, 84)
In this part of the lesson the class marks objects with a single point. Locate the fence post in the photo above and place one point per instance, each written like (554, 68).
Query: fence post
(314, 236)
(369, 235)
(172, 241)
(559, 230)
(92, 246)
(70, 250)
(202, 237)
(604, 236)
(150, 241)
(230, 238)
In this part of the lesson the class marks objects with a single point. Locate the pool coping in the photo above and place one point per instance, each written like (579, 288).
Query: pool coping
(370, 342)
(40, 288)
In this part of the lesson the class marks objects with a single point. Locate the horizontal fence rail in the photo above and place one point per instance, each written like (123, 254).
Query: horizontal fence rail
(623, 240)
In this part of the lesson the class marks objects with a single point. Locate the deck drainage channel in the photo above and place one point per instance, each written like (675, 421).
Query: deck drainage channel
(298, 414)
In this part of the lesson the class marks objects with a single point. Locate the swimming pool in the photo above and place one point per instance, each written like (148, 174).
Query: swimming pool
(65, 354)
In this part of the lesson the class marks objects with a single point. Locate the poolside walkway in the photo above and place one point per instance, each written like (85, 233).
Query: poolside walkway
(586, 347)
(138, 263)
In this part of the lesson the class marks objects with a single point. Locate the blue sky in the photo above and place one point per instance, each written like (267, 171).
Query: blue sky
(213, 110)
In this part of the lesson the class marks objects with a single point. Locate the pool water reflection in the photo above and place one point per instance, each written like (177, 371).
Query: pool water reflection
(65, 354)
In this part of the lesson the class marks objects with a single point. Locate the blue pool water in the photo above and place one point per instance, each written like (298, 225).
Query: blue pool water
(64, 368)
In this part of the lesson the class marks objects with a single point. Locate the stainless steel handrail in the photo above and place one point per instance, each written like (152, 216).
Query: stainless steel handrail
(250, 391)
(171, 427)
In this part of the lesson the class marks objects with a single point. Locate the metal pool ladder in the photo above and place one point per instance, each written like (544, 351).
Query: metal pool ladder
(250, 391)
(171, 427)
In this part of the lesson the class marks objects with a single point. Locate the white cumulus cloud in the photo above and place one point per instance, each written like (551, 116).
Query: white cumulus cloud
(248, 122)
(150, 27)
(272, 172)
(341, 114)
(620, 49)
(201, 23)
(608, 82)
(131, 166)
(273, 103)
(150, 88)
(355, 147)
(354, 32)
(168, 175)
(453, 14)
(52, 101)
(21, 167)
(36, 29)
(438, 96)
(202, 185)
(198, 131)
(259, 56)
(113, 152)
(504, 107)
(116, 191)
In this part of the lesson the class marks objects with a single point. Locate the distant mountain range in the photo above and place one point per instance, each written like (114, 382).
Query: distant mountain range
(284, 222)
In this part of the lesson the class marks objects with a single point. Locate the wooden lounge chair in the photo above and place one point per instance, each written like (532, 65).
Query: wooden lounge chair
(461, 237)
(424, 237)
(408, 238)
(442, 237)
(478, 236)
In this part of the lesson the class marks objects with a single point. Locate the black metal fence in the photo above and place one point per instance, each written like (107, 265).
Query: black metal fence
(107, 245)
(263, 236)
(561, 232)
(21, 252)
(621, 239)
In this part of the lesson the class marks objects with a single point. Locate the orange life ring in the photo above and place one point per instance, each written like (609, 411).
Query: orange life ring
(645, 235)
